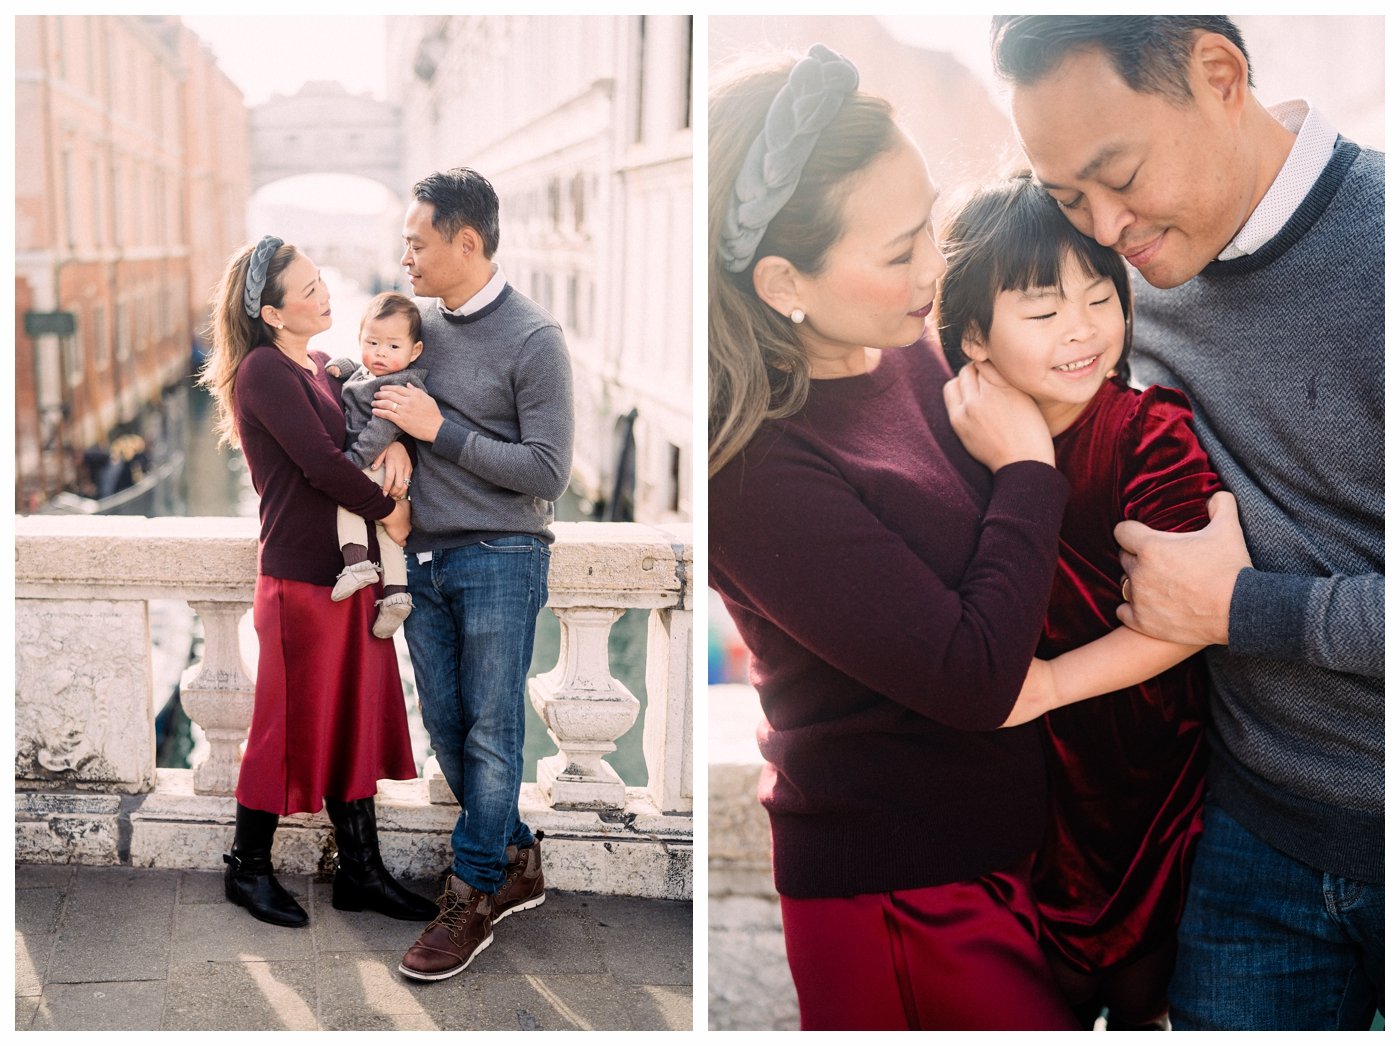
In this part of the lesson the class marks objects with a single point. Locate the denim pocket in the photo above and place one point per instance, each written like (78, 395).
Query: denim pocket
(512, 543)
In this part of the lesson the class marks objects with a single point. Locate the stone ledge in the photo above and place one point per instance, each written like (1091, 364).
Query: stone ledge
(638, 852)
(750, 987)
(135, 557)
(739, 858)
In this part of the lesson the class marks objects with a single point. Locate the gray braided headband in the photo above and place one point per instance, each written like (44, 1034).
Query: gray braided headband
(256, 279)
(815, 90)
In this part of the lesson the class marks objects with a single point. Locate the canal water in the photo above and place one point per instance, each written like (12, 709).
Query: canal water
(215, 482)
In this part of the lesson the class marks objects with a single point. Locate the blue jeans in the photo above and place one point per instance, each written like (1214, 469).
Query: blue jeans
(1267, 943)
(471, 636)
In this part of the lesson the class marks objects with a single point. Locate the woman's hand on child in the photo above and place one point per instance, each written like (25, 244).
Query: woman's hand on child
(396, 523)
(398, 468)
(411, 409)
(997, 424)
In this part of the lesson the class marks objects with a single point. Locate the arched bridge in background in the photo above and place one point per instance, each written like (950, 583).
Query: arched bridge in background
(324, 129)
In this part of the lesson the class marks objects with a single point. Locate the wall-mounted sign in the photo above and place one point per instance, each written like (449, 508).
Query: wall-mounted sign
(61, 323)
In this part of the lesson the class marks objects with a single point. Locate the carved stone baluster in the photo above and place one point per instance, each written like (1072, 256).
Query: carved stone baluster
(666, 735)
(217, 694)
(586, 711)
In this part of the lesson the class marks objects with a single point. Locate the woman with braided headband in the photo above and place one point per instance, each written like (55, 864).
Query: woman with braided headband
(891, 588)
(328, 709)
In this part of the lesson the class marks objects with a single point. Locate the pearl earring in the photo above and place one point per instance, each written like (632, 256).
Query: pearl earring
(797, 316)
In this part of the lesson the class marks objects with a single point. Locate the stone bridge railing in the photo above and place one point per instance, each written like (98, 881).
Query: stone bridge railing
(87, 787)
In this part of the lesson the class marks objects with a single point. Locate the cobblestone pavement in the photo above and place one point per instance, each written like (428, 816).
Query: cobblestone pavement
(125, 948)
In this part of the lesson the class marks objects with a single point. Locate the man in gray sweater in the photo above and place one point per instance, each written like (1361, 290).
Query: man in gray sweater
(1258, 239)
(495, 429)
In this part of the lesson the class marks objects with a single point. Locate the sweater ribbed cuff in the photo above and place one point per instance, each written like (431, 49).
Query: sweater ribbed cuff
(1269, 615)
(1032, 480)
(451, 441)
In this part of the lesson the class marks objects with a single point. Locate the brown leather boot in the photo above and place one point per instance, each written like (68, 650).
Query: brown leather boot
(458, 935)
(524, 885)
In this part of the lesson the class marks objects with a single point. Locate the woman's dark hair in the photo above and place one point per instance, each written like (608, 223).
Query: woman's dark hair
(757, 369)
(461, 197)
(1011, 236)
(1152, 53)
(391, 303)
(233, 333)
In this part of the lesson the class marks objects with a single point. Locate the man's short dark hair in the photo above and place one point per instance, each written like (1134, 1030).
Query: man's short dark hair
(462, 197)
(1152, 53)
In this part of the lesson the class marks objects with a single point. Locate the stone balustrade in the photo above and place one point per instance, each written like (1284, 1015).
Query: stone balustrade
(750, 988)
(87, 787)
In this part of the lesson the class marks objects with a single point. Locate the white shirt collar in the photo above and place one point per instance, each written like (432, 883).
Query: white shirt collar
(483, 297)
(1311, 152)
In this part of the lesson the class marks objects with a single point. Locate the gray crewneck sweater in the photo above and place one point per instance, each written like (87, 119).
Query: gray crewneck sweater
(1281, 354)
(501, 379)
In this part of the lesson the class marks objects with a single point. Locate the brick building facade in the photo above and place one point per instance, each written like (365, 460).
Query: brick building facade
(131, 180)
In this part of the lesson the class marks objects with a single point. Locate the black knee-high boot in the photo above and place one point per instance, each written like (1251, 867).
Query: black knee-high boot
(248, 879)
(361, 880)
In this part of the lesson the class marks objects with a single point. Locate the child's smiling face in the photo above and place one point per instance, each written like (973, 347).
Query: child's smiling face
(386, 345)
(1056, 344)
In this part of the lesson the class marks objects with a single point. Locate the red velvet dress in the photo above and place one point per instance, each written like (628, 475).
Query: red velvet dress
(1126, 770)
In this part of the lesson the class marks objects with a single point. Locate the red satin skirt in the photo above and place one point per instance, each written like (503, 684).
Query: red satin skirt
(962, 956)
(328, 711)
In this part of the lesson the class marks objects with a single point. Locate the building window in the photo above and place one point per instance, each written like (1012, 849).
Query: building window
(73, 357)
(70, 194)
(91, 25)
(179, 310)
(542, 290)
(95, 191)
(60, 62)
(578, 189)
(117, 209)
(123, 333)
(101, 351)
(640, 112)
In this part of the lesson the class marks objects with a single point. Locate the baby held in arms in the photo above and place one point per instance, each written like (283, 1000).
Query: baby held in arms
(390, 340)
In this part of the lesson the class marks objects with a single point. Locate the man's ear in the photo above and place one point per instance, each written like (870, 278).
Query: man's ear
(777, 284)
(1220, 67)
(468, 241)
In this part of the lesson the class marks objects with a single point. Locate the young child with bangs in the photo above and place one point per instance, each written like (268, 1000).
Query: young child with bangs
(1032, 303)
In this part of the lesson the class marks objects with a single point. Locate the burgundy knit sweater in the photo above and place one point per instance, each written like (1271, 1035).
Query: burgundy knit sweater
(291, 426)
(892, 592)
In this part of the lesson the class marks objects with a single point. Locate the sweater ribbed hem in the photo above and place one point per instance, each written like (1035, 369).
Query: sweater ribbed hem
(824, 856)
(1349, 843)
